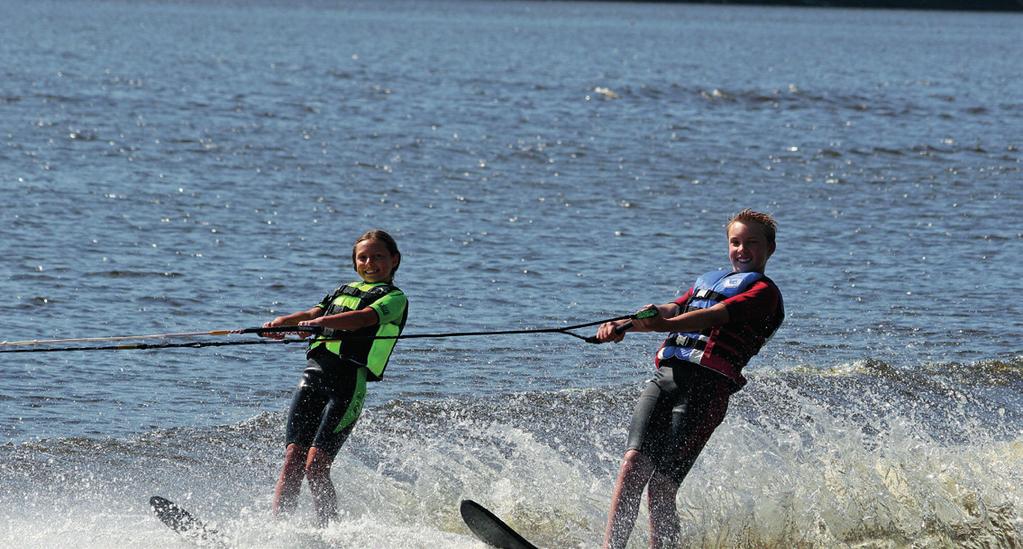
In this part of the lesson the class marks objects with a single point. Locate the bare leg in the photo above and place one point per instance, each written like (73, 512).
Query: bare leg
(664, 527)
(632, 478)
(289, 484)
(317, 471)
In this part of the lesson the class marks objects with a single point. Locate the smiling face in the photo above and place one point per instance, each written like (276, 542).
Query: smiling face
(374, 262)
(748, 247)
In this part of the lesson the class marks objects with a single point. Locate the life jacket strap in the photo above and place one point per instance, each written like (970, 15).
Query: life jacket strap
(352, 291)
(683, 340)
(707, 293)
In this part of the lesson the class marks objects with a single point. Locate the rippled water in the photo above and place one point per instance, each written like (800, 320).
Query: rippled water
(175, 167)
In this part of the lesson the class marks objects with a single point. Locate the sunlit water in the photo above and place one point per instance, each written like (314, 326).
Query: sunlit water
(173, 167)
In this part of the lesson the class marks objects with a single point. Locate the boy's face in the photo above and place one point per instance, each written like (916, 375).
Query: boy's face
(748, 248)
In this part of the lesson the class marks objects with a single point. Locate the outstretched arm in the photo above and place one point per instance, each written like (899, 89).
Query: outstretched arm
(291, 320)
(693, 321)
(615, 331)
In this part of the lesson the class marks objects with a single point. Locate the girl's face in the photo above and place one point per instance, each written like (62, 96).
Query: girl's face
(374, 262)
(748, 248)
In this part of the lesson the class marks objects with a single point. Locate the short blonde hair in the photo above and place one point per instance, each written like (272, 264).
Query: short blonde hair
(765, 221)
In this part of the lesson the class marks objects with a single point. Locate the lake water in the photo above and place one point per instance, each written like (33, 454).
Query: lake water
(194, 166)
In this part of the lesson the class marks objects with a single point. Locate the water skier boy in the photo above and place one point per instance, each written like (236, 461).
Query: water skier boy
(715, 328)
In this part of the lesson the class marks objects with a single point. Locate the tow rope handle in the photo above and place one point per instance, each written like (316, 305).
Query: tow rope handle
(647, 312)
(315, 330)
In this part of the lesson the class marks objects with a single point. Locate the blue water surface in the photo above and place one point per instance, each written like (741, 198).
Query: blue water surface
(193, 166)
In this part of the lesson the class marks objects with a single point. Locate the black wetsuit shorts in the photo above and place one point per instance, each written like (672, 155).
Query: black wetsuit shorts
(327, 402)
(676, 414)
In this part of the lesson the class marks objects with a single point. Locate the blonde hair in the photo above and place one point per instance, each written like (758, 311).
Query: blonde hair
(766, 222)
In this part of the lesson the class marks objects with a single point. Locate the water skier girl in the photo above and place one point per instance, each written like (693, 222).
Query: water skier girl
(329, 398)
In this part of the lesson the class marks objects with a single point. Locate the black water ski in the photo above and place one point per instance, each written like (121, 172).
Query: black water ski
(182, 522)
(491, 529)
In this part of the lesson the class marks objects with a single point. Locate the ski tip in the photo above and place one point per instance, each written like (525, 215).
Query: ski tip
(489, 528)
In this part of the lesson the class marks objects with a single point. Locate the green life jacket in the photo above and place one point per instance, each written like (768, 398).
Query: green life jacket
(359, 347)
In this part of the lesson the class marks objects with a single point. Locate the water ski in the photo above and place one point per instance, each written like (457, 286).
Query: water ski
(490, 529)
(182, 522)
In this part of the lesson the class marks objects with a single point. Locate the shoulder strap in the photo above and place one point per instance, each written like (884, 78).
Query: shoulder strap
(365, 296)
(717, 286)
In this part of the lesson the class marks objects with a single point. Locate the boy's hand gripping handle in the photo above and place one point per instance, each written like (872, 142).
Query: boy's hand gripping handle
(648, 312)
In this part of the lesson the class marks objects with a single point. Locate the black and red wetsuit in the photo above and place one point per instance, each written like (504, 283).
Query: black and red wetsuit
(698, 372)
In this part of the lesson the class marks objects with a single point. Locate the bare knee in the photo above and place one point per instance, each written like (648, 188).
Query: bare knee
(317, 466)
(635, 464)
(294, 452)
(294, 462)
(635, 459)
